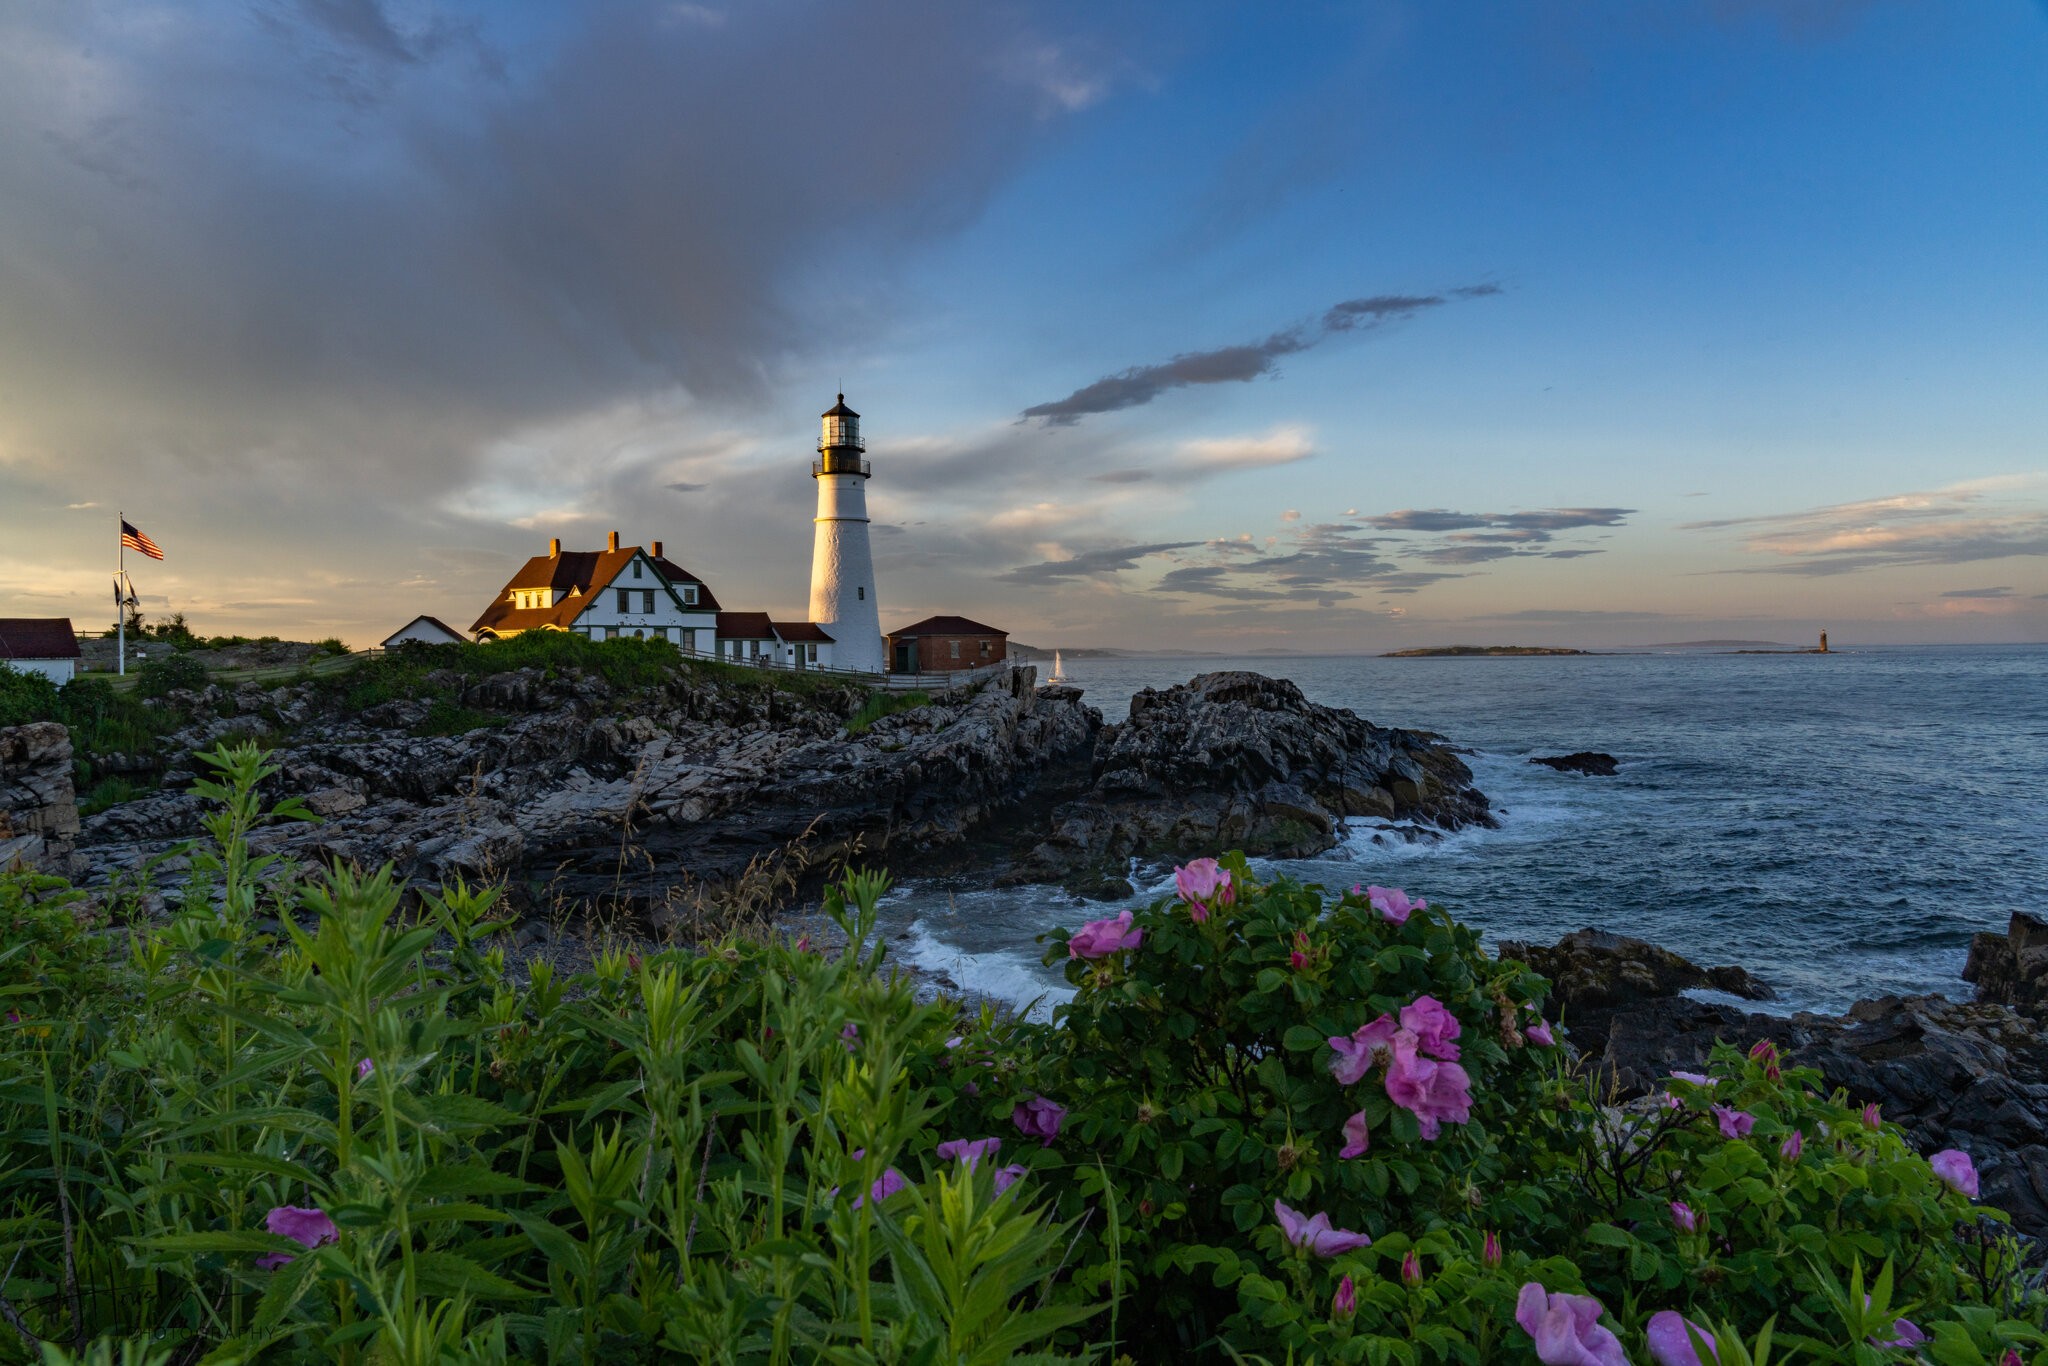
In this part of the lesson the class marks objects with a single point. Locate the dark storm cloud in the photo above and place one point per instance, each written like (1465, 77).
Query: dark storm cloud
(1238, 364)
(1087, 564)
(280, 268)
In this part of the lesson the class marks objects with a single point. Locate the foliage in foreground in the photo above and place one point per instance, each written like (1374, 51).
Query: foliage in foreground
(361, 1140)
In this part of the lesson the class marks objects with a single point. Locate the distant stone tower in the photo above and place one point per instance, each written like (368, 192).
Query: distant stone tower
(842, 567)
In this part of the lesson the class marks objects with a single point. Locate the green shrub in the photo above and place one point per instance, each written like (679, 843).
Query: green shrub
(26, 697)
(364, 1137)
(107, 792)
(881, 704)
(331, 645)
(163, 674)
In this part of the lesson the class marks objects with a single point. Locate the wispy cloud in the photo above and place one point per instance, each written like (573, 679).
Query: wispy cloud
(1988, 519)
(2002, 591)
(1089, 563)
(1246, 361)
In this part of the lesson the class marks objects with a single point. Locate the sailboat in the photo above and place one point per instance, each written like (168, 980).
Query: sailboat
(1058, 674)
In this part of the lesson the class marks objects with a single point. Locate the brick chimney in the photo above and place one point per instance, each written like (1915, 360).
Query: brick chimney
(655, 550)
(554, 547)
(612, 541)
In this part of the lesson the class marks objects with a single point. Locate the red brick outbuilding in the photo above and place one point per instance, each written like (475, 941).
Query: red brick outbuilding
(943, 644)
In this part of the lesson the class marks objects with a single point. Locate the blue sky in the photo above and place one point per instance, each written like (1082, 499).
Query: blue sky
(1346, 326)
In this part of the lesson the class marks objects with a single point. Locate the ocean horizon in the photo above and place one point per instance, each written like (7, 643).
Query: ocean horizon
(1841, 825)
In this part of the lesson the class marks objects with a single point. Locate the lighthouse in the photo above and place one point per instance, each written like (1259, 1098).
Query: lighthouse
(842, 567)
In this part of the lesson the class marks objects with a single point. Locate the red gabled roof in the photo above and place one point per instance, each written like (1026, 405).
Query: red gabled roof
(745, 626)
(800, 630)
(37, 638)
(948, 626)
(675, 573)
(575, 575)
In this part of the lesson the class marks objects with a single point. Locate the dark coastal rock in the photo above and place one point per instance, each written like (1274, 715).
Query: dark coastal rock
(692, 789)
(1594, 970)
(1969, 1076)
(38, 802)
(1242, 761)
(2012, 968)
(1592, 763)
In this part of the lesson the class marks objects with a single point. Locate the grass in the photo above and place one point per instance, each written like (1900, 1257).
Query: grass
(452, 718)
(883, 704)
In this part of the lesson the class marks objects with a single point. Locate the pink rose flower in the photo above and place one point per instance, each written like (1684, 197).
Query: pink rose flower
(1669, 1345)
(1009, 1176)
(1411, 1268)
(1489, 1250)
(1539, 1033)
(1905, 1333)
(1355, 1138)
(1871, 1118)
(1433, 1026)
(1793, 1146)
(1682, 1217)
(886, 1185)
(1393, 904)
(1734, 1123)
(1566, 1328)
(1315, 1233)
(364, 1068)
(1365, 1045)
(309, 1228)
(1432, 1091)
(1100, 938)
(1344, 1304)
(969, 1150)
(851, 1035)
(1297, 957)
(1953, 1165)
(1039, 1118)
(1695, 1078)
(1201, 884)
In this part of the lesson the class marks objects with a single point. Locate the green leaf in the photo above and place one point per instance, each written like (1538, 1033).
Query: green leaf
(450, 1274)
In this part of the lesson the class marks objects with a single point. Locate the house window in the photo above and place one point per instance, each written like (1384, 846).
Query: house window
(647, 601)
(861, 593)
(636, 569)
(984, 649)
(690, 594)
(687, 638)
(956, 648)
(811, 653)
(625, 600)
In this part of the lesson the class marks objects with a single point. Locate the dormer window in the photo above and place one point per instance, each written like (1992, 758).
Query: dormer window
(690, 594)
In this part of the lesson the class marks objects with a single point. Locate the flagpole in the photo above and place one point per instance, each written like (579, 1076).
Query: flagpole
(120, 606)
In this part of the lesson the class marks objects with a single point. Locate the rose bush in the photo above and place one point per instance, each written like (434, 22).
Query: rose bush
(301, 1121)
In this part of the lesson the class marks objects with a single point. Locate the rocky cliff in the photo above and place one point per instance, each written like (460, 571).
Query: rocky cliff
(574, 791)
(1242, 761)
(583, 794)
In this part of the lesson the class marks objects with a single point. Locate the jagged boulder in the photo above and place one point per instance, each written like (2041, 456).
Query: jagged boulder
(1590, 763)
(1238, 760)
(38, 802)
(2012, 968)
(1593, 969)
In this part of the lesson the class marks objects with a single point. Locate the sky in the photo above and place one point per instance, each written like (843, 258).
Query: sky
(1321, 327)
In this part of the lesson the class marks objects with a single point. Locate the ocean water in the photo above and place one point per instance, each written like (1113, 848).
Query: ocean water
(1838, 824)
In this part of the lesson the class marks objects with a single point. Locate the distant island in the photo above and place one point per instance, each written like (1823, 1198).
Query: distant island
(1724, 645)
(1458, 651)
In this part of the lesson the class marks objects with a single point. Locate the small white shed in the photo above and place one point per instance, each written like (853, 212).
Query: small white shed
(40, 645)
(424, 631)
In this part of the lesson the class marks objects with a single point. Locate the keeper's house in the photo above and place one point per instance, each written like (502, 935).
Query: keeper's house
(605, 594)
(39, 645)
(939, 645)
(751, 638)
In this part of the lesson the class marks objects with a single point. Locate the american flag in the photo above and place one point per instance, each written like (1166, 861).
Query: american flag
(135, 540)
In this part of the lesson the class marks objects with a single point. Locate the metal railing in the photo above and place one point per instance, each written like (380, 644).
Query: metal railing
(824, 467)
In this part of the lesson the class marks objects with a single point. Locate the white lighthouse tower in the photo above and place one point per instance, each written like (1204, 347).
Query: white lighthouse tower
(842, 568)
